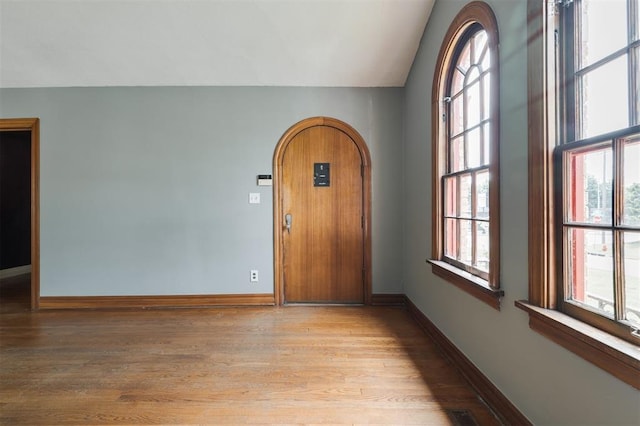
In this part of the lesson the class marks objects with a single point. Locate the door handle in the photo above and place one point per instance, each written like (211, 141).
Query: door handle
(287, 222)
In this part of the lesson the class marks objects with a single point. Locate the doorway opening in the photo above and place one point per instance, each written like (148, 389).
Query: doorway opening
(20, 214)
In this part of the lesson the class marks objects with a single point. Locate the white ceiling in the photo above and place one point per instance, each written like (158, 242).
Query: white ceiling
(339, 43)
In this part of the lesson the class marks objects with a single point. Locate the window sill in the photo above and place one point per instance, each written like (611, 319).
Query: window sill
(477, 287)
(612, 354)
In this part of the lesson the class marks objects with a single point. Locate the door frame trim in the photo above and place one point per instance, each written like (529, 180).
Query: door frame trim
(31, 125)
(278, 157)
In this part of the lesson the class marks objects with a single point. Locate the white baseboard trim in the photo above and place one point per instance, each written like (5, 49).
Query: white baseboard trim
(14, 272)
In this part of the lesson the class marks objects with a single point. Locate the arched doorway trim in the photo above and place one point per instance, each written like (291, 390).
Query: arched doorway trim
(277, 199)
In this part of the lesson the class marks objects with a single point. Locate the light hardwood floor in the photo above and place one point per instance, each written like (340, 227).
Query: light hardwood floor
(255, 365)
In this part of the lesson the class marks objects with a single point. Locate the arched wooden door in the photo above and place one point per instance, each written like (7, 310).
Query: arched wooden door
(321, 214)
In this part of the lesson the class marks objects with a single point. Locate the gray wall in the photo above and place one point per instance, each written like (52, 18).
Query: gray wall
(144, 191)
(547, 383)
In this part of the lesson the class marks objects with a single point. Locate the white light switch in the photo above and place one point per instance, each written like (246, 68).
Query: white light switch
(254, 198)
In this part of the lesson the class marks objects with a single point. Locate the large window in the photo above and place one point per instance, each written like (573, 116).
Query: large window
(598, 163)
(465, 155)
(584, 179)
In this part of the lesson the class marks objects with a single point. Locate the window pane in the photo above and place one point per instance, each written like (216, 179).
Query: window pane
(482, 195)
(482, 246)
(451, 238)
(591, 269)
(456, 147)
(457, 82)
(486, 93)
(632, 276)
(604, 28)
(605, 98)
(480, 46)
(473, 100)
(464, 62)
(465, 195)
(466, 241)
(450, 196)
(486, 61)
(457, 116)
(487, 143)
(590, 186)
(631, 179)
(473, 148)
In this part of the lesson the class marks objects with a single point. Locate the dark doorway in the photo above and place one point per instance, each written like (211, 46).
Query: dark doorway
(19, 284)
(15, 199)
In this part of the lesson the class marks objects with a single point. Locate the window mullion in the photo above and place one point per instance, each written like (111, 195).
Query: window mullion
(618, 275)
(633, 32)
(618, 236)
(633, 61)
(474, 236)
(465, 125)
(458, 215)
(458, 251)
(446, 118)
(483, 117)
(618, 182)
(634, 86)
(563, 177)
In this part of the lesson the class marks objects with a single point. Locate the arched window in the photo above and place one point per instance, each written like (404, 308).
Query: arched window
(466, 154)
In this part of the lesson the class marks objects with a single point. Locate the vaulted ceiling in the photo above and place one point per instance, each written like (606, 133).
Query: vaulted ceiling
(335, 43)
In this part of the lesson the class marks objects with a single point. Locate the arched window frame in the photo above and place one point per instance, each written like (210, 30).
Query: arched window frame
(473, 17)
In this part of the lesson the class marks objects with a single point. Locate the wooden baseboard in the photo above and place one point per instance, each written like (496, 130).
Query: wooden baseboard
(492, 396)
(187, 301)
(149, 302)
(388, 299)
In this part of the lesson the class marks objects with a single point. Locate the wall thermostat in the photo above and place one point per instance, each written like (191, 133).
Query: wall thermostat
(265, 180)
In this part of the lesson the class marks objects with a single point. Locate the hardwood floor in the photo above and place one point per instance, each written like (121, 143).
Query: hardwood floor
(15, 294)
(255, 365)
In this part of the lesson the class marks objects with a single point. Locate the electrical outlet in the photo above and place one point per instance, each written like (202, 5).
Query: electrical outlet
(253, 276)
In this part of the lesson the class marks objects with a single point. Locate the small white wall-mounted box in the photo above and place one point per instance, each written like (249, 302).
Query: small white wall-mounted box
(265, 180)
(254, 198)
